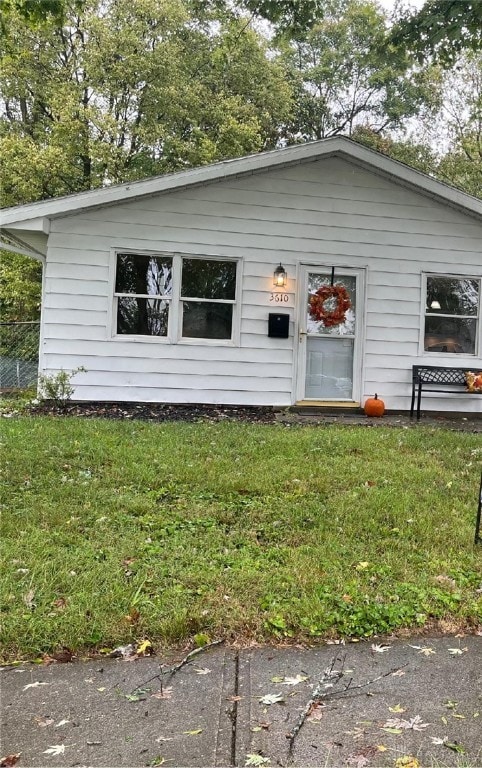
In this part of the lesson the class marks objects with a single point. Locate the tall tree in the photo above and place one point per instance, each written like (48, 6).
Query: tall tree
(441, 30)
(345, 74)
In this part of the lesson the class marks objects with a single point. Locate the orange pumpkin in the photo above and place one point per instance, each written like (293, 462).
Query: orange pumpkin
(374, 406)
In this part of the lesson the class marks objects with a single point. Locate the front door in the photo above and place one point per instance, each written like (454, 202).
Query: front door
(329, 330)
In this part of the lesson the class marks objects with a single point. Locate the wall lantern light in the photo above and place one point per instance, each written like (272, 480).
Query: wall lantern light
(280, 276)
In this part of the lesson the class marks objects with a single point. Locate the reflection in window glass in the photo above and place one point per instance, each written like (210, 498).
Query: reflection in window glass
(208, 279)
(144, 275)
(144, 317)
(207, 320)
(452, 308)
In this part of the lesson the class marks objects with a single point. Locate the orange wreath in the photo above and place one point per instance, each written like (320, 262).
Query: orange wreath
(336, 315)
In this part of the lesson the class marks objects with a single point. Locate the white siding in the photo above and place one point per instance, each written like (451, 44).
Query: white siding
(327, 212)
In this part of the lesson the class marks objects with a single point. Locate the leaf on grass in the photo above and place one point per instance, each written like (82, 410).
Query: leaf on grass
(33, 685)
(56, 749)
(9, 760)
(195, 732)
(294, 680)
(164, 693)
(380, 648)
(457, 651)
(145, 648)
(29, 599)
(271, 698)
(202, 670)
(397, 709)
(362, 566)
(256, 760)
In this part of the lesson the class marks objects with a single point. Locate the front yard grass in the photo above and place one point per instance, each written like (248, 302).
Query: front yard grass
(119, 531)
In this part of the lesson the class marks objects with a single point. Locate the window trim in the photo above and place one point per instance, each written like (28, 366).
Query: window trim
(174, 330)
(478, 318)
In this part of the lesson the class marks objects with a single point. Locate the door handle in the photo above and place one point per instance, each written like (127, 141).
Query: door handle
(301, 334)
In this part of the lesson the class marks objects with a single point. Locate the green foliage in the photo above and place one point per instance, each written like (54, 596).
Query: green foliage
(344, 75)
(441, 30)
(57, 386)
(20, 287)
(178, 522)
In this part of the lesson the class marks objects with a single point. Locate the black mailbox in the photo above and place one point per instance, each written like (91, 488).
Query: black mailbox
(278, 325)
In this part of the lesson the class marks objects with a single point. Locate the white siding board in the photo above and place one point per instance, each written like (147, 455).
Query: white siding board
(269, 233)
(326, 213)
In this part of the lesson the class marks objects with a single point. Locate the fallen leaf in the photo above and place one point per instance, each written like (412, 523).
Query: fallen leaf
(455, 747)
(438, 742)
(202, 670)
(316, 712)
(164, 693)
(60, 604)
(457, 651)
(195, 732)
(362, 566)
(101, 690)
(33, 685)
(381, 747)
(123, 651)
(145, 648)
(164, 738)
(398, 673)
(271, 698)
(28, 599)
(414, 724)
(396, 731)
(294, 680)
(61, 722)
(407, 761)
(457, 716)
(277, 679)
(234, 698)
(423, 650)
(450, 704)
(380, 648)
(256, 760)
(133, 616)
(57, 749)
(138, 694)
(397, 709)
(43, 722)
(359, 761)
(9, 760)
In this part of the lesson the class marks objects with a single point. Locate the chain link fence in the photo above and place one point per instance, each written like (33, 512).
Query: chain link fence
(19, 345)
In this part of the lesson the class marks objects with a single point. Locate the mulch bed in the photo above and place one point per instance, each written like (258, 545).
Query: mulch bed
(158, 412)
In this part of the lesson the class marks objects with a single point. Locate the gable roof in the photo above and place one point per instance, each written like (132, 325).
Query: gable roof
(35, 216)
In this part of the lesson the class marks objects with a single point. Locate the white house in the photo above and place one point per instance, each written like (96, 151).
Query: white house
(163, 289)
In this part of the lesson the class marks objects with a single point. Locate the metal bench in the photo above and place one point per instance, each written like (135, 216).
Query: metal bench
(445, 379)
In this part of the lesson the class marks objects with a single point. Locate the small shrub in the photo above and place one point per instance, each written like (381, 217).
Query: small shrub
(57, 386)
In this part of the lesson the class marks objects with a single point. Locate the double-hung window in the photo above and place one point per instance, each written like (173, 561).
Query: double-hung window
(452, 314)
(176, 297)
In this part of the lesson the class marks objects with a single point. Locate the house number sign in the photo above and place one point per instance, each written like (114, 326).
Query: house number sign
(279, 299)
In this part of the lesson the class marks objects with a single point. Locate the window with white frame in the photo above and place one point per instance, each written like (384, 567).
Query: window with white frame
(452, 314)
(178, 297)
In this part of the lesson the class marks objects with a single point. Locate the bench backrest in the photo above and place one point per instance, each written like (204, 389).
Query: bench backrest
(438, 374)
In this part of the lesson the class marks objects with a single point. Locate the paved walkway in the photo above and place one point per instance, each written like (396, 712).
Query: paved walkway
(419, 698)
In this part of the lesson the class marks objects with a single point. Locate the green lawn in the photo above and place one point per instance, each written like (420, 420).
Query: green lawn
(117, 531)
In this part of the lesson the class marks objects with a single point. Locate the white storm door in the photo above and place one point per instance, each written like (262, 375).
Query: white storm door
(329, 354)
